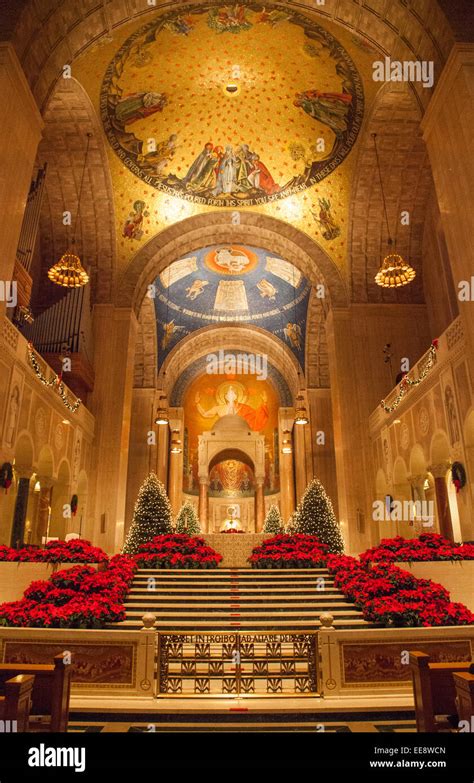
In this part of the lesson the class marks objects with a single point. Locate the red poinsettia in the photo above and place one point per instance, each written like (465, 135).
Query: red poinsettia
(177, 551)
(429, 546)
(75, 551)
(282, 551)
(78, 597)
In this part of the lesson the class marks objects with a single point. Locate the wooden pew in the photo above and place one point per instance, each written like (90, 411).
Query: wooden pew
(15, 705)
(435, 692)
(51, 692)
(464, 684)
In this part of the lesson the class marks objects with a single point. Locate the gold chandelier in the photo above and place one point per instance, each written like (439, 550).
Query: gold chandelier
(301, 417)
(395, 272)
(68, 272)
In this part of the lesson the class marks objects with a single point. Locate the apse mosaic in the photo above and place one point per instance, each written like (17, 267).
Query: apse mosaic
(207, 399)
(228, 105)
(226, 284)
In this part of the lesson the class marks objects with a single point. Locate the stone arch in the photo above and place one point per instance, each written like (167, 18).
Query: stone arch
(211, 228)
(418, 462)
(240, 338)
(231, 453)
(440, 450)
(45, 462)
(45, 36)
(68, 117)
(407, 183)
(24, 450)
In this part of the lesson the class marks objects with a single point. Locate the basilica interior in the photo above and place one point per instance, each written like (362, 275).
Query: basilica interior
(228, 243)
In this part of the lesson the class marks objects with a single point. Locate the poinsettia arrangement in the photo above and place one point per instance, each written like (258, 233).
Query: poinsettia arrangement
(297, 551)
(177, 551)
(78, 597)
(75, 551)
(389, 596)
(429, 546)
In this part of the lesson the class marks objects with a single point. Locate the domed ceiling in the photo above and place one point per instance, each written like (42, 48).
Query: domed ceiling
(233, 284)
(234, 106)
(230, 105)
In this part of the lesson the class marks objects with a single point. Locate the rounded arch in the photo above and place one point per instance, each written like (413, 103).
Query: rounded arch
(469, 429)
(440, 450)
(42, 38)
(418, 461)
(64, 471)
(24, 450)
(45, 463)
(400, 472)
(381, 484)
(231, 453)
(249, 339)
(69, 116)
(210, 228)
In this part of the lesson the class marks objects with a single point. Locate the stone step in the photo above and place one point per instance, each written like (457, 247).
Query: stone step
(198, 604)
(230, 571)
(243, 625)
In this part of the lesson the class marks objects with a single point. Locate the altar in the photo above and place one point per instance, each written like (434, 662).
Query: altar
(235, 548)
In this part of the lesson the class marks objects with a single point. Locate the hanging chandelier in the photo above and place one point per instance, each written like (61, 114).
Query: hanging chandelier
(301, 417)
(395, 272)
(68, 272)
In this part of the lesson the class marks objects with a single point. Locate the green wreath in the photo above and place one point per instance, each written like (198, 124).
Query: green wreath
(6, 475)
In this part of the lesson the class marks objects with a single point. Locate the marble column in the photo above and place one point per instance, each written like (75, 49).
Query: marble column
(162, 452)
(111, 402)
(21, 506)
(303, 458)
(20, 132)
(259, 504)
(44, 506)
(203, 510)
(175, 475)
(287, 477)
(447, 130)
(442, 501)
(417, 483)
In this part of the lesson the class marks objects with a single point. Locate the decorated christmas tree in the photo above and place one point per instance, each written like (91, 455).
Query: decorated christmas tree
(315, 517)
(273, 522)
(151, 517)
(187, 521)
(291, 526)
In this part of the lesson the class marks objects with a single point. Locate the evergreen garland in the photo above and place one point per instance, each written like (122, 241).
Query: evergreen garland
(151, 517)
(315, 517)
(273, 522)
(187, 520)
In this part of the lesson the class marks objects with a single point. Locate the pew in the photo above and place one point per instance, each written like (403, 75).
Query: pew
(435, 693)
(464, 684)
(51, 692)
(15, 705)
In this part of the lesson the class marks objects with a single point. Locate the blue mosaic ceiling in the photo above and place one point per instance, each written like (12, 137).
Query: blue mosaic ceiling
(229, 284)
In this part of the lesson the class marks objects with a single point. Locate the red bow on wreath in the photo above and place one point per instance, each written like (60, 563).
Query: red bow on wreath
(6, 476)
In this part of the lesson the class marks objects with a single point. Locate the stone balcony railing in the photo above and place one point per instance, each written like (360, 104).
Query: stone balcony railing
(15, 344)
(451, 344)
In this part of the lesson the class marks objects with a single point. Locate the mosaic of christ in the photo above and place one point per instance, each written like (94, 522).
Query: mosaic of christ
(230, 104)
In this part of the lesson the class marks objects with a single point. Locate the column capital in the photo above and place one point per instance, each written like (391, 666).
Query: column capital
(440, 469)
(23, 471)
(418, 479)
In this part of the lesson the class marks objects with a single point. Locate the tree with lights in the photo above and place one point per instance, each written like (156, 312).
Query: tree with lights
(187, 520)
(273, 522)
(151, 517)
(315, 517)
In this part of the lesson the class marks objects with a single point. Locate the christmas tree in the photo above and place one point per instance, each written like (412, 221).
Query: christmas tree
(151, 517)
(273, 522)
(291, 526)
(187, 521)
(315, 517)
